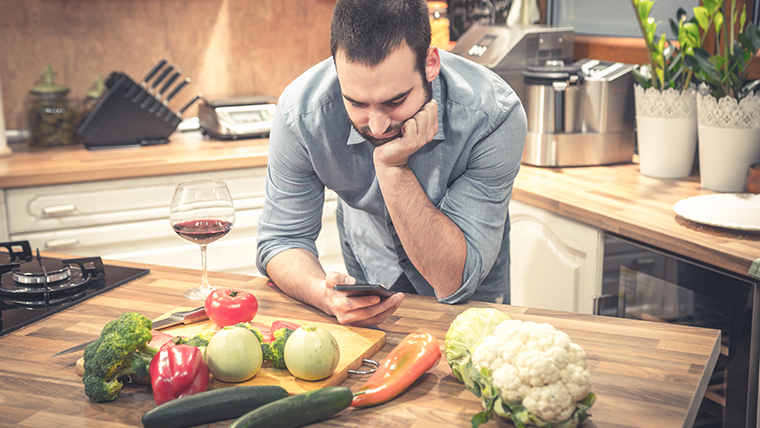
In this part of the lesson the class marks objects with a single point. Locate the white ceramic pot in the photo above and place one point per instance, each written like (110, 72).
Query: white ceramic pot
(729, 141)
(725, 155)
(666, 131)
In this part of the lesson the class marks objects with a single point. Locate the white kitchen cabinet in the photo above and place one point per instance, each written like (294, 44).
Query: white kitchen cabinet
(556, 263)
(129, 220)
(3, 219)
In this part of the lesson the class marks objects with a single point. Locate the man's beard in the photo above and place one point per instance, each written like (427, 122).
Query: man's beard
(395, 129)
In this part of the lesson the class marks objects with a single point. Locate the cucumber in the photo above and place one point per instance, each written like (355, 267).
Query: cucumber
(298, 410)
(211, 406)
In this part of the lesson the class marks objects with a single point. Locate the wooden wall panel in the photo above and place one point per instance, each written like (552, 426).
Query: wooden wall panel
(227, 47)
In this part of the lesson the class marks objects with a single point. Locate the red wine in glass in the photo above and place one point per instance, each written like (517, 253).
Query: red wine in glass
(202, 212)
(202, 231)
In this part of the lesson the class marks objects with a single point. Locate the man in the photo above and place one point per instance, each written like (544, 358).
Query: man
(421, 146)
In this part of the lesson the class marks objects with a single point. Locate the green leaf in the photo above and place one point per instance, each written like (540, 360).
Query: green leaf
(706, 67)
(691, 31)
(644, 7)
(718, 23)
(712, 5)
(481, 418)
(702, 16)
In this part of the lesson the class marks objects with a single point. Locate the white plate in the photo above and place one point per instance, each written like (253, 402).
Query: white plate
(730, 210)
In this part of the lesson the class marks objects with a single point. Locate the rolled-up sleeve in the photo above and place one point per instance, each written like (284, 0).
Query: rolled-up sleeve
(477, 201)
(292, 213)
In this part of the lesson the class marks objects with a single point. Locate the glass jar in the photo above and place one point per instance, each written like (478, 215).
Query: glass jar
(53, 117)
(92, 97)
(439, 24)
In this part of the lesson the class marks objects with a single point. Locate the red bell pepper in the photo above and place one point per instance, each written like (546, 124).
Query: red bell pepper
(178, 371)
(410, 359)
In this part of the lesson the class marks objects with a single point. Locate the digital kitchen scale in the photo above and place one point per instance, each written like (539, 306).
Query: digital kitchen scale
(239, 117)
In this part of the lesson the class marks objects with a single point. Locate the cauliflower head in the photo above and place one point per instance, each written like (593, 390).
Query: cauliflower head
(536, 366)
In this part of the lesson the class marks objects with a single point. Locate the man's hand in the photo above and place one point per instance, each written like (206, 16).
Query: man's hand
(360, 311)
(415, 133)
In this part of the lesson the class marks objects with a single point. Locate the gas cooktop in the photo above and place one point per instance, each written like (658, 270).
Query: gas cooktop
(33, 287)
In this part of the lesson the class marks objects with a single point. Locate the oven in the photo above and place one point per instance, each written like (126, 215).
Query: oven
(646, 283)
(33, 287)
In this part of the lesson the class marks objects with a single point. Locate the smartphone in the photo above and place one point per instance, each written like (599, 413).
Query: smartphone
(365, 290)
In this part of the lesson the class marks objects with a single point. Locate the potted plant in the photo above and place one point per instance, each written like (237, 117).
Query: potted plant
(666, 109)
(728, 110)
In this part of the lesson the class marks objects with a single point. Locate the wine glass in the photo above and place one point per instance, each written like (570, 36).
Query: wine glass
(202, 212)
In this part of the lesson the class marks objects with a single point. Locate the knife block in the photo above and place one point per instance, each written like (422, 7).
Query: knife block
(126, 116)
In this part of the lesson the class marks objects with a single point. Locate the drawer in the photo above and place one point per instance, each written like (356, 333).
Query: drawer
(118, 201)
(126, 237)
(154, 242)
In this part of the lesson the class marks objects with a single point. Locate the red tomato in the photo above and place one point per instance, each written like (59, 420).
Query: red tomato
(160, 340)
(265, 331)
(225, 306)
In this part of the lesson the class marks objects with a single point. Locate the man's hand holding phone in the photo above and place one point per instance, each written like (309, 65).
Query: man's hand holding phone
(359, 304)
(353, 290)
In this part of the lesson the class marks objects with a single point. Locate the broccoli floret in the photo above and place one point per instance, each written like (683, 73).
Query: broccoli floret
(253, 329)
(121, 350)
(277, 347)
(271, 351)
(200, 340)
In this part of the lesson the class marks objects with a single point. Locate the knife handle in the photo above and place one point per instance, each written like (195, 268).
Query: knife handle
(160, 78)
(168, 83)
(176, 89)
(187, 106)
(153, 71)
(195, 317)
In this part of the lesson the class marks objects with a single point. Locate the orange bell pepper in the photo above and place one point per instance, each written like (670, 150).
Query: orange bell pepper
(414, 355)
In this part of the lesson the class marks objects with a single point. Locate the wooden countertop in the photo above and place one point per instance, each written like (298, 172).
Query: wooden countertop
(186, 152)
(644, 374)
(620, 200)
(615, 198)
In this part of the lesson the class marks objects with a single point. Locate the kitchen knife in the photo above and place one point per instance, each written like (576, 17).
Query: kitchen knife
(153, 72)
(183, 317)
(160, 79)
(155, 84)
(176, 90)
(167, 84)
(187, 106)
(163, 89)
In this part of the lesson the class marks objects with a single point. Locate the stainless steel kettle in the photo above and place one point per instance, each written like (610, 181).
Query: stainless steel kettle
(553, 97)
(579, 114)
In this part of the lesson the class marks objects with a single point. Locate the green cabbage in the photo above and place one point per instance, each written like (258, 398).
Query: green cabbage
(466, 331)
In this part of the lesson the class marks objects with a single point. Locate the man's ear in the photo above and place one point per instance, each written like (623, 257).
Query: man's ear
(432, 64)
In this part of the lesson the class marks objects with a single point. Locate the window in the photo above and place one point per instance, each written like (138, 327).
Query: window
(611, 17)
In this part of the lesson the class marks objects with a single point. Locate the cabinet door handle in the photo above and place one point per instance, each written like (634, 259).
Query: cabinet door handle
(55, 244)
(54, 210)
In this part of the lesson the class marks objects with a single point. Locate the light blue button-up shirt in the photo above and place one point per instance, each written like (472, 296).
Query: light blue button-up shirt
(467, 171)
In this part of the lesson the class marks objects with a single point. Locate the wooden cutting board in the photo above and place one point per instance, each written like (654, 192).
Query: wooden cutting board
(355, 344)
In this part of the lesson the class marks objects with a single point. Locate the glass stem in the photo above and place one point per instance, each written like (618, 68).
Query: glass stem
(205, 286)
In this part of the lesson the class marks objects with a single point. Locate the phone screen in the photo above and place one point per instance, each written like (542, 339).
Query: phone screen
(364, 290)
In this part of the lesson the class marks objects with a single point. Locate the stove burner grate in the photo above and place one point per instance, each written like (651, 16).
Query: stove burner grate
(41, 278)
(24, 301)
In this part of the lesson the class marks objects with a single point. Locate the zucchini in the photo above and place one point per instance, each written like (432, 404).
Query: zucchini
(211, 406)
(297, 410)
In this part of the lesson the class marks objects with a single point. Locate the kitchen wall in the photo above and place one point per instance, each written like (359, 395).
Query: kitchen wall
(227, 47)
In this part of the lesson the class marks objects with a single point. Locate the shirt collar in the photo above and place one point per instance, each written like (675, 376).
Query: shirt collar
(354, 137)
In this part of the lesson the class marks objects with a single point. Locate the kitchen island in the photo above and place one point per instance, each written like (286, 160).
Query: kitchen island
(643, 374)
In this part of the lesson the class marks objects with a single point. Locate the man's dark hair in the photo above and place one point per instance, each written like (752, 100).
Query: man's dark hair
(367, 31)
